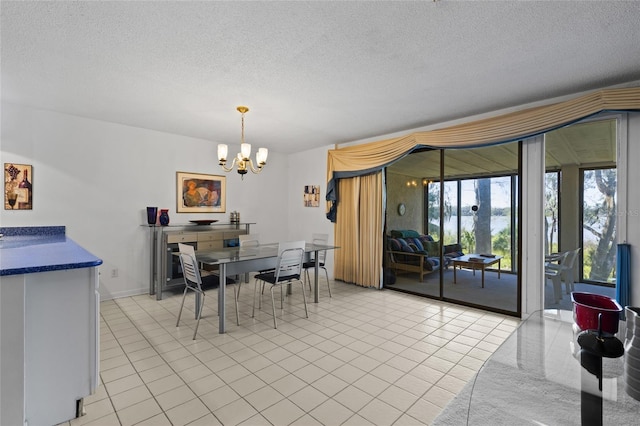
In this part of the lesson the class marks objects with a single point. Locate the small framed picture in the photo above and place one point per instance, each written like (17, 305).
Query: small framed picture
(200, 193)
(18, 186)
(312, 196)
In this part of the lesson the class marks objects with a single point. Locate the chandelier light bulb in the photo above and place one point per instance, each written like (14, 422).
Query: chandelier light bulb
(223, 150)
(245, 149)
(261, 156)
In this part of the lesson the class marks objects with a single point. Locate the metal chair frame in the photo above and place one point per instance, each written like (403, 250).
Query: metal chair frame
(288, 270)
(320, 239)
(193, 281)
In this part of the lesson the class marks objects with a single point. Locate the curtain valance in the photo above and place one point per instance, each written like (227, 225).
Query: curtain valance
(368, 158)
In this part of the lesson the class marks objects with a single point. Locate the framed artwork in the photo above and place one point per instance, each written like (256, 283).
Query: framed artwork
(312, 196)
(200, 193)
(18, 186)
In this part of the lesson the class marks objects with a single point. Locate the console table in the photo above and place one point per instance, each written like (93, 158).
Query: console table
(164, 270)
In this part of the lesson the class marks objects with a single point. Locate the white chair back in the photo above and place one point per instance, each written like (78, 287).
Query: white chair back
(190, 271)
(571, 258)
(290, 256)
(321, 239)
(186, 248)
(189, 265)
(249, 240)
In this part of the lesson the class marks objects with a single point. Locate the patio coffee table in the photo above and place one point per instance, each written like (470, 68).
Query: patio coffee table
(475, 261)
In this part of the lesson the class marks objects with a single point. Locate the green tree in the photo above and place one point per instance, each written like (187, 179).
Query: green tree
(502, 241)
(468, 241)
(433, 209)
(482, 218)
(502, 245)
(550, 210)
(600, 220)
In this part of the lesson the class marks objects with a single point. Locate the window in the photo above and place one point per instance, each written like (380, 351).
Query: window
(551, 212)
(599, 225)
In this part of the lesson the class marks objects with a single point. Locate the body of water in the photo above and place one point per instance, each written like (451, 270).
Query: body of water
(498, 223)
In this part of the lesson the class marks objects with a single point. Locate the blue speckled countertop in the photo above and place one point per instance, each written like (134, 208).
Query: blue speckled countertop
(27, 250)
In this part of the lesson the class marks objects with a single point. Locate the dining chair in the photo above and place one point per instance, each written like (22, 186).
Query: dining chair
(193, 281)
(189, 249)
(320, 239)
(288, 271)
(249, 240)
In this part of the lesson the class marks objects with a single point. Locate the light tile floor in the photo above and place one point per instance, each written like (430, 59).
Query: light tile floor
(364, 357)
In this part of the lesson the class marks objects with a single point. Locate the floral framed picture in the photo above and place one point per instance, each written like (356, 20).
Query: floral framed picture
(18, 186)
(200, 193)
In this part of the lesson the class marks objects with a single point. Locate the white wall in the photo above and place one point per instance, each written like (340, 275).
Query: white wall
(633, 204)
(96, 178)
(398, 192)
(309, 168)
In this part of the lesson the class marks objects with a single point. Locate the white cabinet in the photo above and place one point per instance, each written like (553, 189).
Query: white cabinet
(49, 328)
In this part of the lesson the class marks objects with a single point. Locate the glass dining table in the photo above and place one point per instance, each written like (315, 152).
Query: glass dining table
(541, 375)
(239, 260)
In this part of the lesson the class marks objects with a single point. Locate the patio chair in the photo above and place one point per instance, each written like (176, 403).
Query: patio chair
(553, 271)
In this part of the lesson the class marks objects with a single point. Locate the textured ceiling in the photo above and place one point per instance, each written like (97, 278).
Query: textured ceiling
(313, 73)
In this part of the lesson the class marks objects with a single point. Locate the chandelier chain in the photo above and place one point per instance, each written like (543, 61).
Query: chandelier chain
(242, 134)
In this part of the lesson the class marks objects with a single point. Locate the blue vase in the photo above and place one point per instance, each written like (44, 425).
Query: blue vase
(164, 217)
(152, 215)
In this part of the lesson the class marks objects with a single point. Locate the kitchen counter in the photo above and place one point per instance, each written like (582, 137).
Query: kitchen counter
(49, 326)
(41, 249)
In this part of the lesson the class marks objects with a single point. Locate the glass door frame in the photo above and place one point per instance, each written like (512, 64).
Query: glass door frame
(516, 250)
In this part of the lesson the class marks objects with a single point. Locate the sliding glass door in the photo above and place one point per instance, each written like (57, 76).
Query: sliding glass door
(466, 202)
(468, 225)
(482, 271)
(581, 205)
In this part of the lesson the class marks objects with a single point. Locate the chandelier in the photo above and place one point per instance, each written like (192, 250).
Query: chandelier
(243, 159)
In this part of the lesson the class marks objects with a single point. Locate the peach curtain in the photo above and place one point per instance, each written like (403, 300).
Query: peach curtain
(360, 236)
(358, 231)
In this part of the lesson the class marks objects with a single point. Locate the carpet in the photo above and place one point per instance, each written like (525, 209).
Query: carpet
(497, 293)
